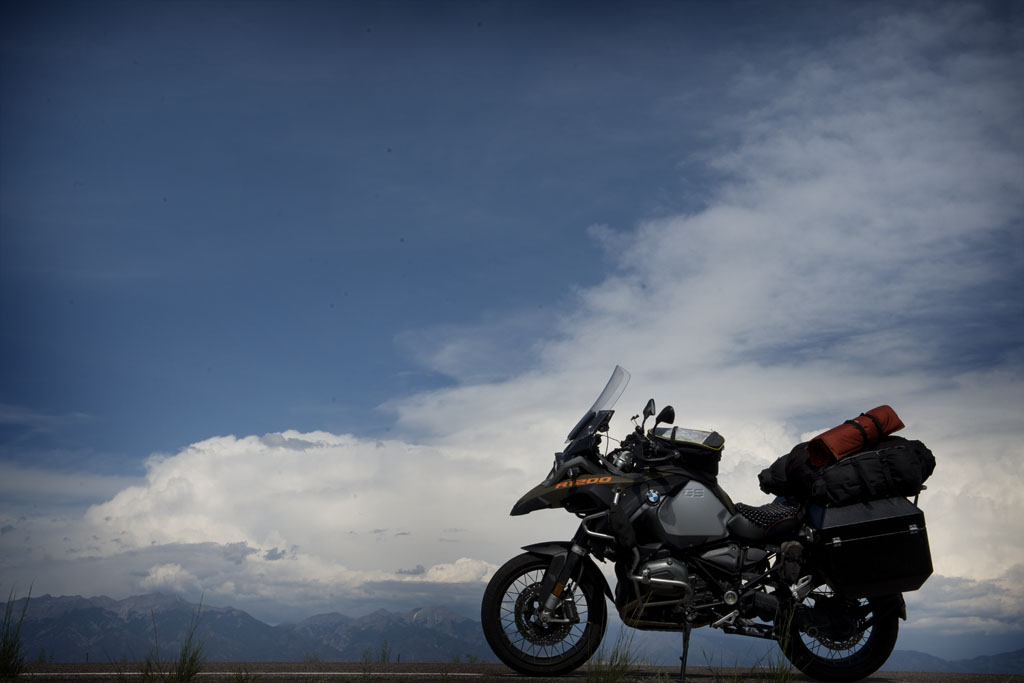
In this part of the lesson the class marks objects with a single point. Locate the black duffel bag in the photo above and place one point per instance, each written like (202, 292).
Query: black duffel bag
(790, 476)
(895, 467)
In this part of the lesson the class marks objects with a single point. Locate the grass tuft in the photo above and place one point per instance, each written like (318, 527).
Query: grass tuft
(190, 656)
(12, 659)
(612, 666)
(768, 669)
(184, 669)
(384, 657)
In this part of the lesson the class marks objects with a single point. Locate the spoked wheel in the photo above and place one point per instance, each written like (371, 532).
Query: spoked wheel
(842, 639)
(510, 617)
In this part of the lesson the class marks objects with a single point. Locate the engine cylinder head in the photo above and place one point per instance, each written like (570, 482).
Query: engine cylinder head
(666, 577)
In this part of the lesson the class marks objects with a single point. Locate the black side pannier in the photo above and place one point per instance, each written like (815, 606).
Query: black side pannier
(870, 549)
(896, 467)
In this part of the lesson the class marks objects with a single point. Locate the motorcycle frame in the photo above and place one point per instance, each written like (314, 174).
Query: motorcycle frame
(570, 560)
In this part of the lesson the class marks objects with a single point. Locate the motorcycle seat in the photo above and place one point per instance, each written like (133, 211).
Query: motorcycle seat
(767, 521)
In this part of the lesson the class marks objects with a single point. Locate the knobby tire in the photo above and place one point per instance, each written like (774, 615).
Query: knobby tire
(857, 658)
(522, 644)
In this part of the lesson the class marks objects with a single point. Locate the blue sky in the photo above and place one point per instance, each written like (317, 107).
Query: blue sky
(216, 201)
(264, 266)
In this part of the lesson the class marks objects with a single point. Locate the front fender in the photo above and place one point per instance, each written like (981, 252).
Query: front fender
(557, 551)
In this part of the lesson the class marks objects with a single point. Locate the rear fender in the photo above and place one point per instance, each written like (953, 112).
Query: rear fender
(558, 551)
(903, 608)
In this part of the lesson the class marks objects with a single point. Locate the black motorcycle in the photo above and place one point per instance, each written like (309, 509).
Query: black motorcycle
(824, 581)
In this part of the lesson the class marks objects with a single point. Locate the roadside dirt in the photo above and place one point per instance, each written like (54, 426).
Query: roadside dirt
(308, 672)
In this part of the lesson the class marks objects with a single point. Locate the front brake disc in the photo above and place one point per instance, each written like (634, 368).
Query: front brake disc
(527, 605)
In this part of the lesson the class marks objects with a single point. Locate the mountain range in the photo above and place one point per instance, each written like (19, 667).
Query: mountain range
(77, 629)
(101, 629)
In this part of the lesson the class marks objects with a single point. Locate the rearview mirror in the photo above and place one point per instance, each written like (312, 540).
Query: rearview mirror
(667, 414)
(649, 409)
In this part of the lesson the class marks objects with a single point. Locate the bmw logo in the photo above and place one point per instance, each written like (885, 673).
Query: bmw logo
(653, 496)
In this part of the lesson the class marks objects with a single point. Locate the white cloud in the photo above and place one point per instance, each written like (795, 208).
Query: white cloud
(170, 577)
(287, 518)
(463, 570)
(952, 605)
(322, 494)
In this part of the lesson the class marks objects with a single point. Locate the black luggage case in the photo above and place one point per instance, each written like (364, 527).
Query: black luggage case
(874, 548)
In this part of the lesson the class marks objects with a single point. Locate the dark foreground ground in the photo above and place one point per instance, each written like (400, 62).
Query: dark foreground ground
(303, 672)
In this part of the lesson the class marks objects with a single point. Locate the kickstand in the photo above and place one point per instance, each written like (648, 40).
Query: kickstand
(686, 651)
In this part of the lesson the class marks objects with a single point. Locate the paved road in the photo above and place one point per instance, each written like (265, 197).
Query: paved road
(305, 672)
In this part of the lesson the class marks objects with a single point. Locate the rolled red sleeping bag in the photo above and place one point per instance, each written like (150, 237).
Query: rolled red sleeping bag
(853, 435)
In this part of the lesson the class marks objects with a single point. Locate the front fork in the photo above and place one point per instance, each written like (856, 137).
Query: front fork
(565, 566)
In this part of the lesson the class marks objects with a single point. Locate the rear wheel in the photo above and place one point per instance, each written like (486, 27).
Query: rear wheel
(510, 610)
(842, 639)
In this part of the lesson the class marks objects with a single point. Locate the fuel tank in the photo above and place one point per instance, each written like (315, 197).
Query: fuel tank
(692, 516)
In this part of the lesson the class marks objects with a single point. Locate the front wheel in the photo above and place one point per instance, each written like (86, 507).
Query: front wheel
(509, 614)
(834, 638)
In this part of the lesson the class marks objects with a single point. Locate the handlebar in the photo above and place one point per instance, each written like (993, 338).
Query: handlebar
(640, 450)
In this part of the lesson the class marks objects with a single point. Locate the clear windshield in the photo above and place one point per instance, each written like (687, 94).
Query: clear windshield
(612, 391)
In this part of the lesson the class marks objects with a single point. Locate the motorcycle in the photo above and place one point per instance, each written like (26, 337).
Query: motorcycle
(824, 582)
